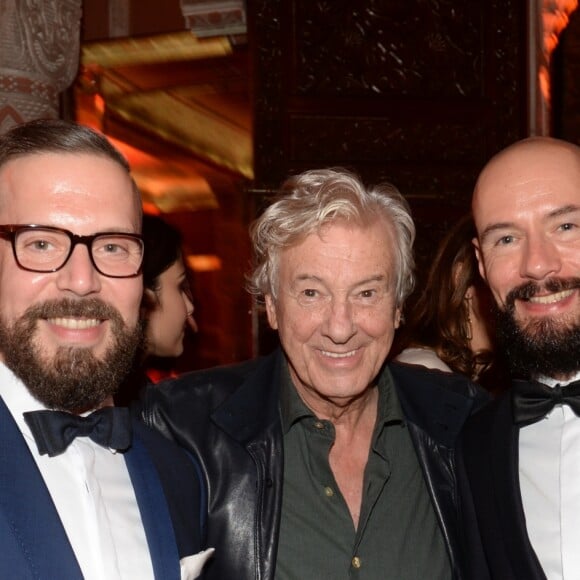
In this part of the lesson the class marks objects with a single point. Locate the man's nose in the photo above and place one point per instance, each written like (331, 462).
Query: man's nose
(541, 259)
(340, 325)
(79, 274)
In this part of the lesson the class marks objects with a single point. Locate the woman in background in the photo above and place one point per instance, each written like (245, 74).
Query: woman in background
(167, 299)
(167, 307)
(451, 326)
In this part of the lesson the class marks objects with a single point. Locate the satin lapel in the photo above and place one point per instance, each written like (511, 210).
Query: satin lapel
(27, 505)
(505, 439)
(153, 509)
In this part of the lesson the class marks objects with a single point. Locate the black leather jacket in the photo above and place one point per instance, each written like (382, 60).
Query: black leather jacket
(229, 417)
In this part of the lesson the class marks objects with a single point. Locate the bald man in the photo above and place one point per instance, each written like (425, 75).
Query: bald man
(522, 453)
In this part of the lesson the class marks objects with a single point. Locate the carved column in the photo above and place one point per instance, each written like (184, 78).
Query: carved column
(547, 19)
(39, 55)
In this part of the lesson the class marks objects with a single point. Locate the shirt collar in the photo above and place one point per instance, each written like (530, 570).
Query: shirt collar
(17, 398)
(389, 406)
(553, 382)
(293, 409)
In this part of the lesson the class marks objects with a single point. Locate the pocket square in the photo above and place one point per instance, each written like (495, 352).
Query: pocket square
(191, 566)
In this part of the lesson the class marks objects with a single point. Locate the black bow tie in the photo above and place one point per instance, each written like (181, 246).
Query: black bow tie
(54, 431)
(532, 400)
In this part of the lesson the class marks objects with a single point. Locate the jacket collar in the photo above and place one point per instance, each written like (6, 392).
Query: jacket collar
(438, 403)
(506, 483)
(153, 508)
(22, 493)
(253, 407)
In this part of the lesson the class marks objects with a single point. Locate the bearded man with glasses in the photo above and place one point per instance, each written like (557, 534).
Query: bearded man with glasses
(85, 491)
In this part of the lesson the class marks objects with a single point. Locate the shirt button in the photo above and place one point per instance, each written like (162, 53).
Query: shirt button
(356, 562)
(328, 491)
(319, 424)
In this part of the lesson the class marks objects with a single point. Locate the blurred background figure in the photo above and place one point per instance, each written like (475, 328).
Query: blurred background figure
(451, 326)
(167, 299)
(167, 308)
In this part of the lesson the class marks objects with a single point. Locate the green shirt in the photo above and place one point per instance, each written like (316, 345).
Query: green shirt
(398, 536)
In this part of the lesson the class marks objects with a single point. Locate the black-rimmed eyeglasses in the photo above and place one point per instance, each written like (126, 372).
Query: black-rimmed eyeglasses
(46, 249)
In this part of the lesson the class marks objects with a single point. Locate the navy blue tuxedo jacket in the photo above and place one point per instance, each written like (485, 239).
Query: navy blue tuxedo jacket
(33, 543)
(491, 459)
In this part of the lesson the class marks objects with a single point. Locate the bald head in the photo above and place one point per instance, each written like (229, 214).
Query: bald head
(537, 165)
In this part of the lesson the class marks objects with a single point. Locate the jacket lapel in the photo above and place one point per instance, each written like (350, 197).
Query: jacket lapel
(253, 408)
(153, 509)
(27, 505)
(436, 406)
(251, 416)
(506, 482)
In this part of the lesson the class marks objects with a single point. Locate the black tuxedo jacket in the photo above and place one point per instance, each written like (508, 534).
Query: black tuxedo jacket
(490, 455)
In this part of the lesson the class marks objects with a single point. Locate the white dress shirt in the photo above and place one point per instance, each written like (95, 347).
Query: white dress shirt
(549, 469)
(93, 494)
(424, 356)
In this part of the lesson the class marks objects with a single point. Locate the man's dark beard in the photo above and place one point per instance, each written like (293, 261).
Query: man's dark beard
(545, 346)
(74, 379)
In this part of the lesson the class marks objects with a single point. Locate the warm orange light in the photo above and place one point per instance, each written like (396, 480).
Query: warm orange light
(555, 17)
(150, 208)
(203, 262)
(99, 104)
(544, 82)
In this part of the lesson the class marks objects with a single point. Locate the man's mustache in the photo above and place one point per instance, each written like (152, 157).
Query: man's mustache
(86, 308)
(531, 289)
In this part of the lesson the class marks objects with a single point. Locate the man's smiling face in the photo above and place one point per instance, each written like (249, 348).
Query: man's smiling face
(59, 319)
(526, 208)
(335, 309)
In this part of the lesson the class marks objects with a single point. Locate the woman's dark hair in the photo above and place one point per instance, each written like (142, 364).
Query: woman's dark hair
(440, 317)
(162, 249)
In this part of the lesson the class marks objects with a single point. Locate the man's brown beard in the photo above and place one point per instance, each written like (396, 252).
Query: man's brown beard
(545, 346)
(74, 380)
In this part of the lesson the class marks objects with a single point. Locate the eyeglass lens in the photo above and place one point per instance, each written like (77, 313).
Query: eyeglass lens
(47, 250)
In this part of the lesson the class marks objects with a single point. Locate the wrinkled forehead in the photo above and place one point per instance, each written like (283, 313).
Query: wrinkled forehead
(526, 176)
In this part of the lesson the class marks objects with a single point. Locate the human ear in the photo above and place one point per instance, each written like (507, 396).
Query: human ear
(271, 312)
(479, 256)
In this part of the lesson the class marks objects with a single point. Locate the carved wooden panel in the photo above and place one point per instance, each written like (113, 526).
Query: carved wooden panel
(385, 47)
(420, 80)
